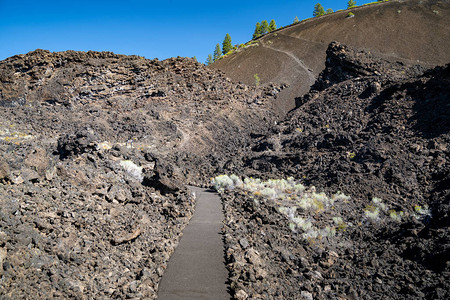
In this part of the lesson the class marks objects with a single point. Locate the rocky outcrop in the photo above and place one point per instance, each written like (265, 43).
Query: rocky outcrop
(177, 104)
(96, 151)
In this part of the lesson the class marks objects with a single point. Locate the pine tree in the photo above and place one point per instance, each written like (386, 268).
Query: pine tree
(226, 45)
(209, 60)
(264, 27)
(351, 3)
(318, 10)
(296, 20)
(329, 11)
(217, 52)
(257, 34)
(272, 25)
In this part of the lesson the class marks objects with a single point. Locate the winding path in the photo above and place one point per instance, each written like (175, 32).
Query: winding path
(299, 62)
(197, 270)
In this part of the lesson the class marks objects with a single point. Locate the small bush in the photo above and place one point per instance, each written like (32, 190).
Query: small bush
(224, 182)
(421, 212)
(132, 169)
(257, 79)
(351, 3)
(372, 212)
(268, 193)
(395, 216)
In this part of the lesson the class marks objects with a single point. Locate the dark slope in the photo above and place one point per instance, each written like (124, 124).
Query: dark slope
(409, 31)
(369, 128)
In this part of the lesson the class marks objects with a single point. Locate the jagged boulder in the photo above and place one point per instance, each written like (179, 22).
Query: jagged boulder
(164, 176)
(82, 141)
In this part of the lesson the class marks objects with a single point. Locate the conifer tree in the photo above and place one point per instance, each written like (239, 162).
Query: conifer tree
(209, 60)
(226, 45)
(329, 11)
(257, 33)
(296, 20)
(318, 10)
(272, 25)
(264, 27)
(351, 3)
(217, 52)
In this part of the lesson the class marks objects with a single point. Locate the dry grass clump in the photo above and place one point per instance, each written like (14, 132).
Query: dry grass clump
(312, 214)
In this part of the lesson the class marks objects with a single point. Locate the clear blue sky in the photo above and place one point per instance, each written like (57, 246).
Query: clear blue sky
(152, 29)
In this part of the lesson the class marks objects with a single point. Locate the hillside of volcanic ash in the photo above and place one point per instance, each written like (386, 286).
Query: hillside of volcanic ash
(411, 31)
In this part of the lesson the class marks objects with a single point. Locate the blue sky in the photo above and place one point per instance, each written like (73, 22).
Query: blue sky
(152, 29)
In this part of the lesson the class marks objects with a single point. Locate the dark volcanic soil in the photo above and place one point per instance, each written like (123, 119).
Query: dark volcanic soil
(411, 31)
(369, 129)
(96, 149)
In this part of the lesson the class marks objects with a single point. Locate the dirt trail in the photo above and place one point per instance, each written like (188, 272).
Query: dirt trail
(197, 269)
(291, 73)
(299, 62)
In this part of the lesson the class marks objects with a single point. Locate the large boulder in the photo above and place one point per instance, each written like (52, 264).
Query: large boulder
(164, 177)
(82, 141)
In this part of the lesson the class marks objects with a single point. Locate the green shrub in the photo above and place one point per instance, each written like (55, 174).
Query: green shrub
(217, 52)
(396, 216)
(318, 10)
(351, 3)
(257, 32)
(421, 212)
(222, 183)
(209, 60)
(264, 27)
(227, 45)
(372, 213)
(272, 25)
(257, 79)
